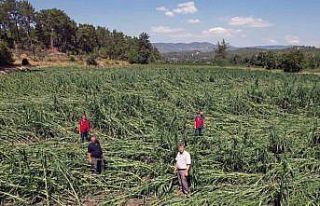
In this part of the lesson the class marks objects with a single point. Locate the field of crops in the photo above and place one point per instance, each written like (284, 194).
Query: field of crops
(261, 145)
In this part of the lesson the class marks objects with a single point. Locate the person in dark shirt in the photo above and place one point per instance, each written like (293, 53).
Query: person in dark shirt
(95, 155)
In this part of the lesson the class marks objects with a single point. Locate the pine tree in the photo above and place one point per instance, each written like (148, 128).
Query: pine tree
(145, 49)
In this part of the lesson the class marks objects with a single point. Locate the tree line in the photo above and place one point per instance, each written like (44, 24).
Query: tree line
(23, 28)
(291, 59)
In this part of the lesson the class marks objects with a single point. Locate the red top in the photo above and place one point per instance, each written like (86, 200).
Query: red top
(84, 125)
(199, 121)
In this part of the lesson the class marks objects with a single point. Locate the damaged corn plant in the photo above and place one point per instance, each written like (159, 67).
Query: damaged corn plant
(261, 144)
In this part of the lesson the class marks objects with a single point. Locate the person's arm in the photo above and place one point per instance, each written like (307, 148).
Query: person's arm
(89, 157)
(89, 126)
(101, 150)
(187, 171)
(79, 128)
(188, 165)
(176, 167)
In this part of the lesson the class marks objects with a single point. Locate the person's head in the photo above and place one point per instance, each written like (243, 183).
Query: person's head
(94, 138)
(201, 113)
(84, 116)
(181, 147)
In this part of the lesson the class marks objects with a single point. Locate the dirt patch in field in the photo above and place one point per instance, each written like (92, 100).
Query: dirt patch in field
(95, 200)
(134, 202)
(139, 202)
(6, 70)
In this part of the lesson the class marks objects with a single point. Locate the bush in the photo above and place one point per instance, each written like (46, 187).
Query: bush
(25, 62)
(5, 55)
(292, 61)
(103, 52)
(143, 59)
(72, 59)
(91, 60)
(133, 57)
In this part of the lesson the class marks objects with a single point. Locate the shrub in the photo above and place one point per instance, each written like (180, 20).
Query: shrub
(5, 55)
(143, 60)
(292, 61)
(91, 60)
(103, 52)
(133, 57)
(72, 59)
(25, 62)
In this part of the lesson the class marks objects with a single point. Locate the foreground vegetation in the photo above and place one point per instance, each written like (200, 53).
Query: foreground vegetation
(261, 144)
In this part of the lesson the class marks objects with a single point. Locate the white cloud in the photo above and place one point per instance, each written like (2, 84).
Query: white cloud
(194, 21)
(161, 8)
(166, 11)
(291, 39)
(272, 41)
(183, 8)
(186, 8)
(176, 34)
(243, 36)
(249, 21)
(169, 13)
(165, 30)
(220, 31)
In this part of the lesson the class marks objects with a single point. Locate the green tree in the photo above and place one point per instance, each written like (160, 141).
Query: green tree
(86, 38)
(55, 28)
(155, 54)
(221, 51)
(220, 57)
(271, 60)
(145, 49)
(5, 55)
(26, 21)
(292, 61)
(133, 56)
(9, 22)
(120, 45)
(23, 28)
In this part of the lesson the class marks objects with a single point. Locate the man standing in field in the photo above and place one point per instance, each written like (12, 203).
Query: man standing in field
(95, 155)
(199, 124)
(84, 128)
(182, 168)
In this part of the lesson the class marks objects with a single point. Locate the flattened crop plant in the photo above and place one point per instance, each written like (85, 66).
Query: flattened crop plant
(261, 145)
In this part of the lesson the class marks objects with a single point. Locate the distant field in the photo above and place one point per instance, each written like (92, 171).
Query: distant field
(261, 144)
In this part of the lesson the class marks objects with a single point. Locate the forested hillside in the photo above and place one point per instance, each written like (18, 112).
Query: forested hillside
(22, 28)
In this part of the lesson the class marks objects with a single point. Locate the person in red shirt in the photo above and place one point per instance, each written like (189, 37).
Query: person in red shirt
(199, 124)
(84, 128)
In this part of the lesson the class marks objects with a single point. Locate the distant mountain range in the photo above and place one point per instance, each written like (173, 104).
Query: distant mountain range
(184, 47)
(205, 47)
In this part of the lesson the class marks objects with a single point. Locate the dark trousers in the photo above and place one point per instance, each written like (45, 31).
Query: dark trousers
(183, 181)
(84, 137)
(198, 131)
(97, 164)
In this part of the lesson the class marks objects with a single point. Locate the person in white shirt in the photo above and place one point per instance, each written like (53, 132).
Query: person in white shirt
(182, 168)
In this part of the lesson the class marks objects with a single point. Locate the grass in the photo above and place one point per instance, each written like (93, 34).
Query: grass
(261, 144)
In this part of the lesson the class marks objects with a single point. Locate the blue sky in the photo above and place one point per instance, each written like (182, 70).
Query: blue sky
(241, 22)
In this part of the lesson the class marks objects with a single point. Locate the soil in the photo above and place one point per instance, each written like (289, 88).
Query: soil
(6, 70)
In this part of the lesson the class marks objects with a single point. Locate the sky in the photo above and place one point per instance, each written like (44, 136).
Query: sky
(240, 22)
